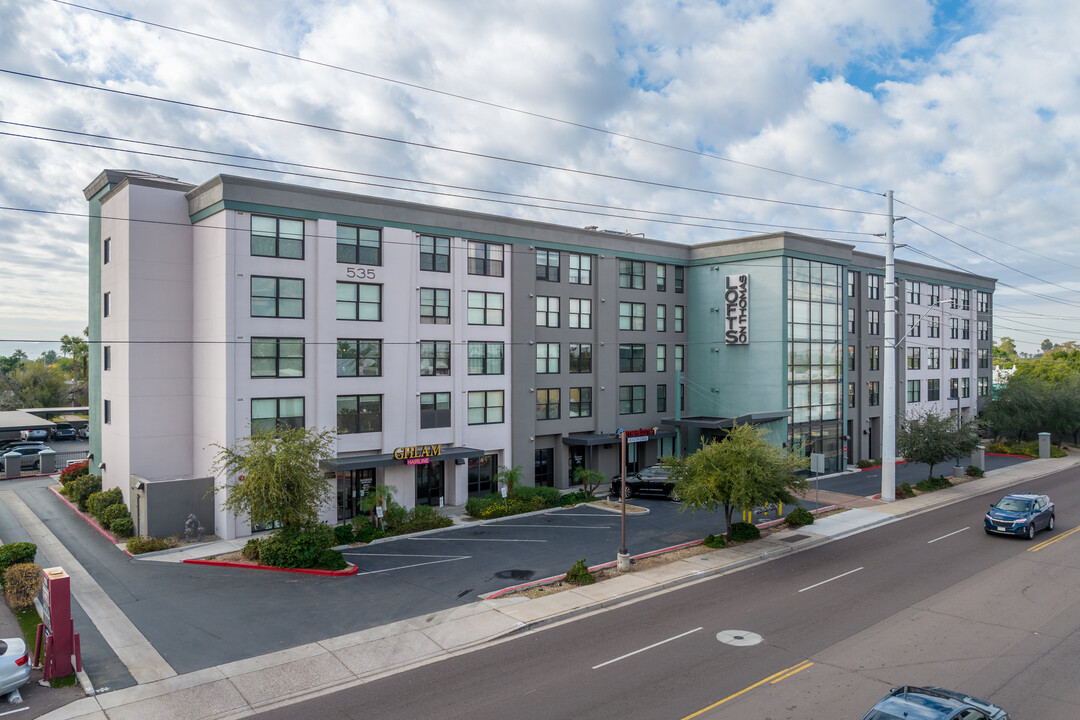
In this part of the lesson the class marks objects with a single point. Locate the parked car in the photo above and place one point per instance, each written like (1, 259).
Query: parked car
(83, 432)
(14, 665)
(933, 703)
(650, 481)
(63, 431)
(1020, 514)
(37, 434)
(29, 452)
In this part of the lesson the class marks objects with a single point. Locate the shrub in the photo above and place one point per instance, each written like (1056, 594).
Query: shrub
(16, 554)
(364, 531)
(296, 546)
(122, 526)
(343, 535)
(113, 512)
(251, 549)
(974, 471)
(933, 484)
(394, 515)
(143, 544)
(574, 498)
(863, 464)
(799, 517)
(82, 488)
(714, 541)
(22, 583)
(907, 490)
(330, 559)
(899, 494)
(997, 447)
(98, 502)
(579, 574)
(744, 532)
(421, 517)
(72, 472)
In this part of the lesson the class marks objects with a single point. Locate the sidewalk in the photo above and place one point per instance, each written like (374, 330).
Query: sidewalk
(239, 689)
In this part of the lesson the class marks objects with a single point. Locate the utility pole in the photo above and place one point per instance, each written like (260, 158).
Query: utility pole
(888, 402)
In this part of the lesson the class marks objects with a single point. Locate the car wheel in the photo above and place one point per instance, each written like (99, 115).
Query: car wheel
(1030, 533)
(1050, 525)
(987, 531)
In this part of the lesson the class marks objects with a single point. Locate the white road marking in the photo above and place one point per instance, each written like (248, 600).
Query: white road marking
(438, 539)
(623, 657)
(565, 527)
(811, 587)
(364, 554)
(949, 535)
(12, 712)
(406, 567)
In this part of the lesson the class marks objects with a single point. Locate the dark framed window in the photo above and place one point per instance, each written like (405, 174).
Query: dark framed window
(933, 389)
(547, 265)
(914, 358)
(632, 274)
(107, 412)
(679, 358)
(873, 287)
(277, 297)
(933, 327)
(661, 277)
(434, 410)
(914, 391)
(277, 237)
(983, 329)
(631, 358)
(106, 304)
(954, 328)
(435, 357)
(661, 398)
(359, 245)
(933, 358)
(914, 294)
(965, 359)
(680, 283)
(547, 404)
(434, 306)
(272, 413)
(954, 358)
(106, 357)
(631, 316)
(547, 358)
(873, 322)
(933, 294)
(359, 414)
(874, 393)
(579, 269)
(954, 388)
(914, 326)
(983, 300)
(547, 311)
(580, 358)
(851, 394)
(680, 311)
(852, 286)
(965, 387)
(359, 301)
(984, 358)
(485, 407)
(485, 308)
(661, 318)
(984, 386)
(873, 357)
(954, 298)
(435, 253)
(106, 251)
(631, 399)
(359, 358)
(851, 357)
(580, 315)
(851, 320)
(661, 358)
(581, 402)
(485, 258)
(277, 357)
(485, 358)
(965, 329)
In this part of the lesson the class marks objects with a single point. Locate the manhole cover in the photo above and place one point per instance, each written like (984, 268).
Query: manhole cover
(794, 538)
(738, 638)
(515, 574)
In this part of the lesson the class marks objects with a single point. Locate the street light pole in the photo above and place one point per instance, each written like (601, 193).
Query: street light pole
(888, 402)
(622, 560)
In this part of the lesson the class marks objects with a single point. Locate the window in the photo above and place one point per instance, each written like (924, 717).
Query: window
(631, 399)
(485, 358)
(914, 391)
(632, 274)
(106, 357)
(485, 258)
(106, 304)
(983, 329)
(914, 326)
(933, 327)
(107, 416)
(359, 414)
(933, 294)
(547, 358)
(954, 388)
(435, 306)
(984, 358)
(679, 281)
(547, 404)
(873, 357)
(547, 311)
(580, 313)
(106, 251)
(933, 358)
(277, 297)
(485, 308)
(661, 318)
(581, 402)
(914, 292)
(580, 357)
(679, 349)
(851, 357)
(965, 359)
(873, 322)
(679, 312)
(954, 298)
(661, 398)
(631, 358)
(984, 386)
(914, 358)
(277, 357)
(933, 390)
(434, 410)
(359, 301)
(954, 328)
(873, 287)
(547, 265)
(661, 277)
(965, 330)
(983, 300)
(268, 414)
(852, 286)
(277, 237)
(965, 299)
(661, 358)
(851, 320)
(434, 253)
(485, 407)
(965, 387)
(874, 392)
(631, 316)
(580, 267)
(435, 357)
(851, 394)
(359, 245)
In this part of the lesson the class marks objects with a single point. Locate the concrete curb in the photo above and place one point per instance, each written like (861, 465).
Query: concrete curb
(351, 570)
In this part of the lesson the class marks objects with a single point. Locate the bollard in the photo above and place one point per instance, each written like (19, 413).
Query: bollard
(1044, 446)
(622, 562)
(978, 458)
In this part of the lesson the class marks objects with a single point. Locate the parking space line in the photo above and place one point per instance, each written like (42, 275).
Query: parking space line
(811, 587)
(413, 565)
(949, 535)
(565, 527)
(650, 647)
(439, 539)
(1051, 541)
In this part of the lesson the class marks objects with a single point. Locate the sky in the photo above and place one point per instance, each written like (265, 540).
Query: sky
(688, 121)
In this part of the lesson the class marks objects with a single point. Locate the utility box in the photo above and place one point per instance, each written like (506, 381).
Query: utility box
(160, 508)
(56, 645)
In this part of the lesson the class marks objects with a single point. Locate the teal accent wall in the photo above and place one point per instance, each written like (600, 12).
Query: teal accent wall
(94, 324)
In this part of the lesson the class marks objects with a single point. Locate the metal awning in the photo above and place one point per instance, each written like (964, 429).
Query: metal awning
(723, 423)
(12, 420)
(593, 439)
(360, 462)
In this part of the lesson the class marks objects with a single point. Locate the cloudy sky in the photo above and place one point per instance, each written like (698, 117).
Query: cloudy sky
(690, 121)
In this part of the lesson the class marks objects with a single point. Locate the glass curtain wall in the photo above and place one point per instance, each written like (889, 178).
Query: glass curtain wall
(815, 359)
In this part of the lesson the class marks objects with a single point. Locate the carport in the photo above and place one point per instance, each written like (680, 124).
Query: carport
(12, 422)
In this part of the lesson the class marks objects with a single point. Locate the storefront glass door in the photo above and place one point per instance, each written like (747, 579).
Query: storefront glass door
(429, 484)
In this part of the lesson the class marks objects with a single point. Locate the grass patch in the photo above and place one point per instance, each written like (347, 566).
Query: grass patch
(28, 622)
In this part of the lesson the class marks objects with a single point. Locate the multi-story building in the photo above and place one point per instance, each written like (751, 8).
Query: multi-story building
(442, 344)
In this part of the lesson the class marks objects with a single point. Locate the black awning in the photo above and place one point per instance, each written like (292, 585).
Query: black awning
(590, 439)
(361, 462)
(723, 423)
(763, 417)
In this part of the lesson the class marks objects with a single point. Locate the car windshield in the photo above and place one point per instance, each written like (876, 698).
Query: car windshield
(654, 472)
(1014, 505)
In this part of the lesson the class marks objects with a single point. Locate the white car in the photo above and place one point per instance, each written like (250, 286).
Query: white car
(14, 665)
(39, 434)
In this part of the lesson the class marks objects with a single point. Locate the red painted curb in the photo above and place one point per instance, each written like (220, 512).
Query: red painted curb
(1025, 457)
(875, 467)
(351, 570)
(91, 520)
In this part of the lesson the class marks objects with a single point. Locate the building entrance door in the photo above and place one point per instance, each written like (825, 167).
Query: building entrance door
(352, 486)
(429, 484)
(544, 475)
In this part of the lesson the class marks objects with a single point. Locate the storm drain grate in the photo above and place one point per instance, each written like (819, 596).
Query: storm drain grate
(793, 538)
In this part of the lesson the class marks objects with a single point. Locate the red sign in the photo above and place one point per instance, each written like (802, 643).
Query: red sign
(418, 461)
(56, 636)
(640, 433)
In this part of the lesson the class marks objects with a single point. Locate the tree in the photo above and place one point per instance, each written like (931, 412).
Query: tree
(1047, 345)
(76, 347)
(931, 438)
(33, 385)
(48, 357)
(379, 497)
(279, 477)
(510, 477)
(589, 479)
(1005, 354)
(742, 470)
(11, 363)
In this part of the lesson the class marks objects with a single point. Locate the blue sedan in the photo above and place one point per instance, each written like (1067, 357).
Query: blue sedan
(1020, 514)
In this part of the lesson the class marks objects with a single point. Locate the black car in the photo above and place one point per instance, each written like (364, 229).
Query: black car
(63, 431)
(650, 481)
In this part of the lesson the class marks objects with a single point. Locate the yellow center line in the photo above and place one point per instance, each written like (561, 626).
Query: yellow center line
(774, 678)
(1047, 543)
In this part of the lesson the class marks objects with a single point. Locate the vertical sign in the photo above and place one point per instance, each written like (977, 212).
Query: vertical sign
(737, 310)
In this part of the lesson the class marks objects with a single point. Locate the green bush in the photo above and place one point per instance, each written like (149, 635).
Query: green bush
(364, 531)
(974, 471)
(98, 502)
(907, 490)
(113, 512)
(932, 484)
(421, 517)
(72, 472)
(122, 526)
(999, 448)
(714, 541)
(22, 583)
(251, 549)
(574, 498)
(143, 544)
(579, 574)
(16, 554)
(799, 517)
(744, 532)
(394, 516)
(80, 490)
(330, 559)
(296, 546)
(1029, 449)
(863, 464)
(343, 535)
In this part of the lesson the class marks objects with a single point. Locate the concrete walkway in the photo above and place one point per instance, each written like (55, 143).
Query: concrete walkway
(239, 689)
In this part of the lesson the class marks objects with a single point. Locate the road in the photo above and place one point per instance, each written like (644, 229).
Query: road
(928, 600)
